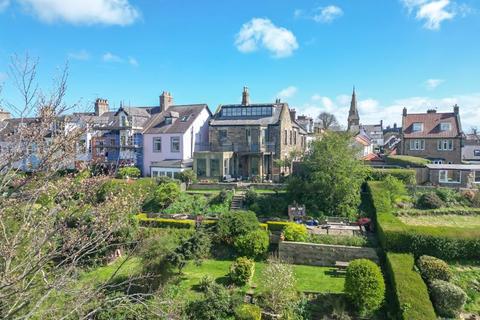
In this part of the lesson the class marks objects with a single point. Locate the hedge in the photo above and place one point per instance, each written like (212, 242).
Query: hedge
(407, 161)
(277, 225)
(407, 176)
(459, 211)
(447, 243)
(411, 293)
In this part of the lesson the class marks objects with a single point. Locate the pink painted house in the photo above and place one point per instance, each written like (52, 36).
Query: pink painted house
(171, 136)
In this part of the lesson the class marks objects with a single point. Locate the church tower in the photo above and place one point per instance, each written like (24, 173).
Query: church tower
(353, 117)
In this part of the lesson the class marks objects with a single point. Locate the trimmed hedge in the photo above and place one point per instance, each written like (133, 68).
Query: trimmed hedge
(411, 293)
(459, 211)
(407, 176)
(407, 161)
(277, 225)
(447, 243)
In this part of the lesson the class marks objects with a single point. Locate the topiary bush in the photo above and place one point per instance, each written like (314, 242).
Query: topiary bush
(295, 232)
(432, 268)
(429, 201)
(253, 244)
(364, 286)
(248, 312)
(241, 271)
(448, 299)
(131, 172)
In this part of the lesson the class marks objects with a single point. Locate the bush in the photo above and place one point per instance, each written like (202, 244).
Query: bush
(430, 201)
(241, 271)
(164, 223)
(364, 286)
(354, 241)
(407, 161)
(395, 188)
(295, 232)
(253, 245)
(163, 196)
(187, 176)
(236, 223)
(447, 298)
(205, 283)
(410, 292)
(432, 268)
(215, 304)
(476, 199)
(248, 312)
(277, 225)
(451, 197)
(130, 172)
(250, 197)
(407, 176)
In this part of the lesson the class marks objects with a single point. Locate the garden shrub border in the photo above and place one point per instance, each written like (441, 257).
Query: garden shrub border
(411, 293)
(407, 161)
(448, 243)
(459, 211)
(407, 176)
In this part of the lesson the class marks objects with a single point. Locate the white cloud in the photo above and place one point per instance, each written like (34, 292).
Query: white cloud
(110, 57)
(435, 12)
(84, 12)
(260, 32)
(133, 61)
(4, 4)
(79, 55)
(327, 14)
(287, 92)
(432, 84)
(372, 110)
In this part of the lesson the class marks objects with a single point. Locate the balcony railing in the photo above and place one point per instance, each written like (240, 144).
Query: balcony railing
(240, 147)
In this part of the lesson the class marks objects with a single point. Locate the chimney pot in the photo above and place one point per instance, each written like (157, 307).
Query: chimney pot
(404, 112)
(456, 109)
(166, 100)
(245, 97)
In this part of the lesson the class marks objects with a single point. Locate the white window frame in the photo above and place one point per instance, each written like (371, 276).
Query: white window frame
(171, 144)
(476, 175)
(445, 177)
(445, 145)
(417, 144)
(157, 140)
(419, 128)
(445, 126)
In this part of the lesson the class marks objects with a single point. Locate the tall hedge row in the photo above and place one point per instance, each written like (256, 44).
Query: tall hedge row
(407, 161)
(411, 293)
(407, 176)
(447, 243)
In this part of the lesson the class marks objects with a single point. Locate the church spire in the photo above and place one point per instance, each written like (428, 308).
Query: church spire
(353, 117)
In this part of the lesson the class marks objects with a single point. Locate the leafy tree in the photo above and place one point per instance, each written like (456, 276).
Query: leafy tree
(332, 177)
(295, 232)
(163, 196)
(216, 303)
(253, 244)
(131, 172)
(195, 248)
(188, 176)
(236, 223)
(328, 120)
(241, 271)
(395, 188)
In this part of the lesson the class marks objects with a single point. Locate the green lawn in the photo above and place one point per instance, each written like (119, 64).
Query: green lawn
(467, 276)
(121, 267)
(443, 221)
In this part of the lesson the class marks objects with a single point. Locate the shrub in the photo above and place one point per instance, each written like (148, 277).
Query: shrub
(131, 172)
(250, 197)
(187, 176)
(277, 225)
(410, 292)
(205, 283)
(248, 312)
(450, 197)
(395, 188)
(364, 286)
(295, 232)
(164, 223)
(407, 161)
(253, 244)
(354, 241)
(447, 298)
(164, 195)
(236, 223)
(241, 271)
(430, 201)
(407, 176)
(196, 248)
(215, 304)
(432, 268)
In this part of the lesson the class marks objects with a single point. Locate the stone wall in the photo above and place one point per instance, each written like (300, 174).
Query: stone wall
(322, 254)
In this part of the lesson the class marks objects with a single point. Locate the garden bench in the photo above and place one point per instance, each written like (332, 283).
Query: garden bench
(341, 267)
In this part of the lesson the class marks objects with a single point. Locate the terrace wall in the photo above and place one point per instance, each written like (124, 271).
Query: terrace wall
(322, 254)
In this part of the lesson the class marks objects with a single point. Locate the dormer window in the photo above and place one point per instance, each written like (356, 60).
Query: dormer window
(417, 127)
(445, 126)
(168, 120)
(123, 120)
(184, 118)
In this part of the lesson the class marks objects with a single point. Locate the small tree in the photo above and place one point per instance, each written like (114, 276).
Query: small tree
(236, 223)
(166, 194)
(188, 177)
(128, 172)
(328, 121)
(241, 271)
(253, 244)
(448, 299)
(365, 286)
(215, 304)
(295, 232)
(195, 248)
(395, 188)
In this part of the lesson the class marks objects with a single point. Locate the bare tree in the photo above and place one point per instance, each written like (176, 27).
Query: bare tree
(44, 236)
(328, 120)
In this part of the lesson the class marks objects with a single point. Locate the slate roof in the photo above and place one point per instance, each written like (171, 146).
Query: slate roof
(431, 125)
(466, 167)
(220, 120)
(156, 124)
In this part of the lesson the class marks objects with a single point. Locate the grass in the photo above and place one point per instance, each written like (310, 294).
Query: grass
(120, 268)
(467, 276)
(444, 221)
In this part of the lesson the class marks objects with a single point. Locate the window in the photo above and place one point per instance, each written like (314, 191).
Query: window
(254, 166)
(175, 144)
(184, 118)
(226, 166)
(201, 167)
(449, 176)
(157, 144)
(123, 120)
(295, 137)
(248, 136)
(417, 144)
(112, 141)
(264, 136)
(445, 145)
(445, 126)
(214, 167)
(476, 176)
(222, 135)
(437, 161)
(417, 127)
(291, 137)
(168, 120)
(123, 140)
(476, 153)
(285, 141)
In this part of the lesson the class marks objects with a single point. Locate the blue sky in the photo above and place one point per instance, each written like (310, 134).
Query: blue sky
(413, 53)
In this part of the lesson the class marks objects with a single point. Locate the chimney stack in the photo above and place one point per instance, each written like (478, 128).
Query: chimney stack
(404, 112)
(101, 106)
(456, 109)
(4, 115)
(431, 111)
(293, 114)
(245, 97)
(166, 100)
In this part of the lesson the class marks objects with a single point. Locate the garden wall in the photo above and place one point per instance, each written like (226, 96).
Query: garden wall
(322, 254)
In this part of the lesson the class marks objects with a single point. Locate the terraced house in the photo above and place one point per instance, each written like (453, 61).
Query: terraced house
(433, 135)
(245, 140)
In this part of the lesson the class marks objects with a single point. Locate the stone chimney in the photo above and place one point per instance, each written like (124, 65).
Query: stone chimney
(278, 101)
(431, 111)
(293, 114)
(404, 112)
(456, 109)
(166, 100)
(101, 106)
(245, 97)
(4, 115)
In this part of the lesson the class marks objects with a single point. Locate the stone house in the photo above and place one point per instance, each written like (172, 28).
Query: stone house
(245, 140)
(454, 175)
(433, 135)
(471, 148)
